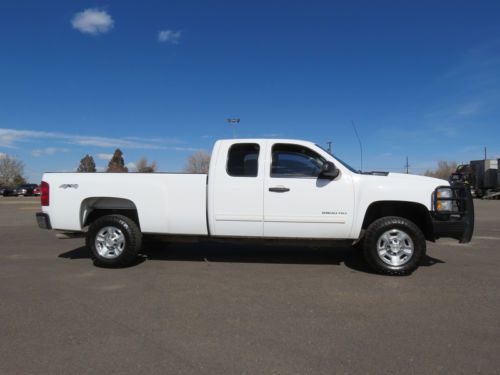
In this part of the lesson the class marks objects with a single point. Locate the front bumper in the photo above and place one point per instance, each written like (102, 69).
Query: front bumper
(459, 223)
(43, 220)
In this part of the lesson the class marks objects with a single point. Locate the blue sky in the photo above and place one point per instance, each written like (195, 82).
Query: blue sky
(159, 78)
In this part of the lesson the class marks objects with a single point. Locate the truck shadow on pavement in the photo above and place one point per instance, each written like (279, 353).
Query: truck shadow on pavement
(226, 253)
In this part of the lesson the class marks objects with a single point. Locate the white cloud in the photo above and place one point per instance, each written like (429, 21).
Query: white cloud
(154, 140)
(131, 167)
(10, 138)
(468, 109)
(103, 156)
(92, 21)
(47, 151)
(169, 36)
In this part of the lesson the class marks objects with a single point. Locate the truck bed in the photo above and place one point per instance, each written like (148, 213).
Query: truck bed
(167, 203)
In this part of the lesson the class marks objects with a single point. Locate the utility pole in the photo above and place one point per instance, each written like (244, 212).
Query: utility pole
(233, 121)
(329, 143)
(407, 165)
(485, 155)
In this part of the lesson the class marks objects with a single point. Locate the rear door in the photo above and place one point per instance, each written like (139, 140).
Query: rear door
(298, 203)
(236, 189)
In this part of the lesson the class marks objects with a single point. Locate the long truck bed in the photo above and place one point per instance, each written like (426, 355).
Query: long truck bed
(172, 203)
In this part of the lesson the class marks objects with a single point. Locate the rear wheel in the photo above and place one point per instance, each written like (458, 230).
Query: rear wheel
(114, 241)
(394, 246)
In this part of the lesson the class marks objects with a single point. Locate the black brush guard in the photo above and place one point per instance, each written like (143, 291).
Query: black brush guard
(459, 222)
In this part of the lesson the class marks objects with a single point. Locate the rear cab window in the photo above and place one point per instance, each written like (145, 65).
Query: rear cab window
(243, 160)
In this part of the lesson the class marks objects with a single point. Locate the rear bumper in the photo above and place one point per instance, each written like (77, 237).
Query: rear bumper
(43, 220)
(460, 224)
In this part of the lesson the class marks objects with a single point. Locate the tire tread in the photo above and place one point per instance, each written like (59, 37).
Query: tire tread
(133, 240)
(371, 238)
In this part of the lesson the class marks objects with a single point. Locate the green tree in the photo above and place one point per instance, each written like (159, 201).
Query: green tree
(143, 167)
(117, 163)
(87, 164)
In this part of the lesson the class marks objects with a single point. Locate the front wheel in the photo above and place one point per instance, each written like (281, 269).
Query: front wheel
(114, 241)
(394, 246)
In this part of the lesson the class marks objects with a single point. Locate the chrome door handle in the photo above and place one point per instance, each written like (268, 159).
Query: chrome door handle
(279, 189)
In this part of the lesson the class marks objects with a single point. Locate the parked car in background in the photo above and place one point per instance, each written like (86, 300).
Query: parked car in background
(9, 192)
(27, 190)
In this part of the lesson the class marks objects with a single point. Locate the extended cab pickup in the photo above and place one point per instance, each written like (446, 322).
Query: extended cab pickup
(261, 189)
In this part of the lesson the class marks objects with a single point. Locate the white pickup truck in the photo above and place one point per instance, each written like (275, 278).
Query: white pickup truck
(288, 190)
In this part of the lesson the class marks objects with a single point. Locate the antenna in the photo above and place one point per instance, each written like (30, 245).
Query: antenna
(407, 166)
(329, 143)
(359, 141)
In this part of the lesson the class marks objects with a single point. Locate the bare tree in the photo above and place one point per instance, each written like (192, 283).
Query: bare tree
(198, 162)
(87, 164)
(11, 171)
(19, 180)
(117, 164)
(444, 170)
(143, 167)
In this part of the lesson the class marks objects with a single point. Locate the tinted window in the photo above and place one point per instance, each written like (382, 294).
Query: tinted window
(295, 161)
(243, 160)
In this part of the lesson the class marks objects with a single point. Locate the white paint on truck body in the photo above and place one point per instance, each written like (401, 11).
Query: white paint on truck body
(235, 204)
(166, 203)
(185, 204)
(393, 187)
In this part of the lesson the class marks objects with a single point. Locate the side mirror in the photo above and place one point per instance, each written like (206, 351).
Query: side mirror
(329, 170)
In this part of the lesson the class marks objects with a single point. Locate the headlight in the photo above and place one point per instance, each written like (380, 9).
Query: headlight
(444, 205)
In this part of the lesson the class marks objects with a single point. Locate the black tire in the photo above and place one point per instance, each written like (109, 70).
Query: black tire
(390, 223)
(358, 246)
(132, 238)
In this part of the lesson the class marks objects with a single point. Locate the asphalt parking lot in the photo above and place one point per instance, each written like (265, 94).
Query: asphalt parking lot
(225, 309)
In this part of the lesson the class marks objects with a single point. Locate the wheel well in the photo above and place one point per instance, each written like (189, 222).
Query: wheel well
(415, 212)
(93, 208)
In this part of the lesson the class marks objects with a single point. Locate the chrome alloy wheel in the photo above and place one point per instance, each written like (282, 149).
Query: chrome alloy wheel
(395, 247)
(110, 242)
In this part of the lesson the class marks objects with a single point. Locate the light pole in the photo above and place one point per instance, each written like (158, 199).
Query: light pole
(234, 121)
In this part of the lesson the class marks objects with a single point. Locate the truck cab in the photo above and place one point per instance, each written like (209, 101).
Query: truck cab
(267, 188)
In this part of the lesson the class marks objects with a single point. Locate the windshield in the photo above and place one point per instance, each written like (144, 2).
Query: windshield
(340, 161)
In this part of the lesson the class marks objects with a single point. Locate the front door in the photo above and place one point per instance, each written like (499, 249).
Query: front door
(299, 204)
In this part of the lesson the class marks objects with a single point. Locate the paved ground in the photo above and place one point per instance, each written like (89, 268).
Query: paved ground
(240, 310)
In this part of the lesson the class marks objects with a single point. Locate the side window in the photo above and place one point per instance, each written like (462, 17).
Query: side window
(242, 160)
(295, 161)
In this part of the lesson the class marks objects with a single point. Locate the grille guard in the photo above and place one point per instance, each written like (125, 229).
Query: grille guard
(464, 214)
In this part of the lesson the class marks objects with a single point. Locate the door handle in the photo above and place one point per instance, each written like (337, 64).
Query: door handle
(279, 189)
